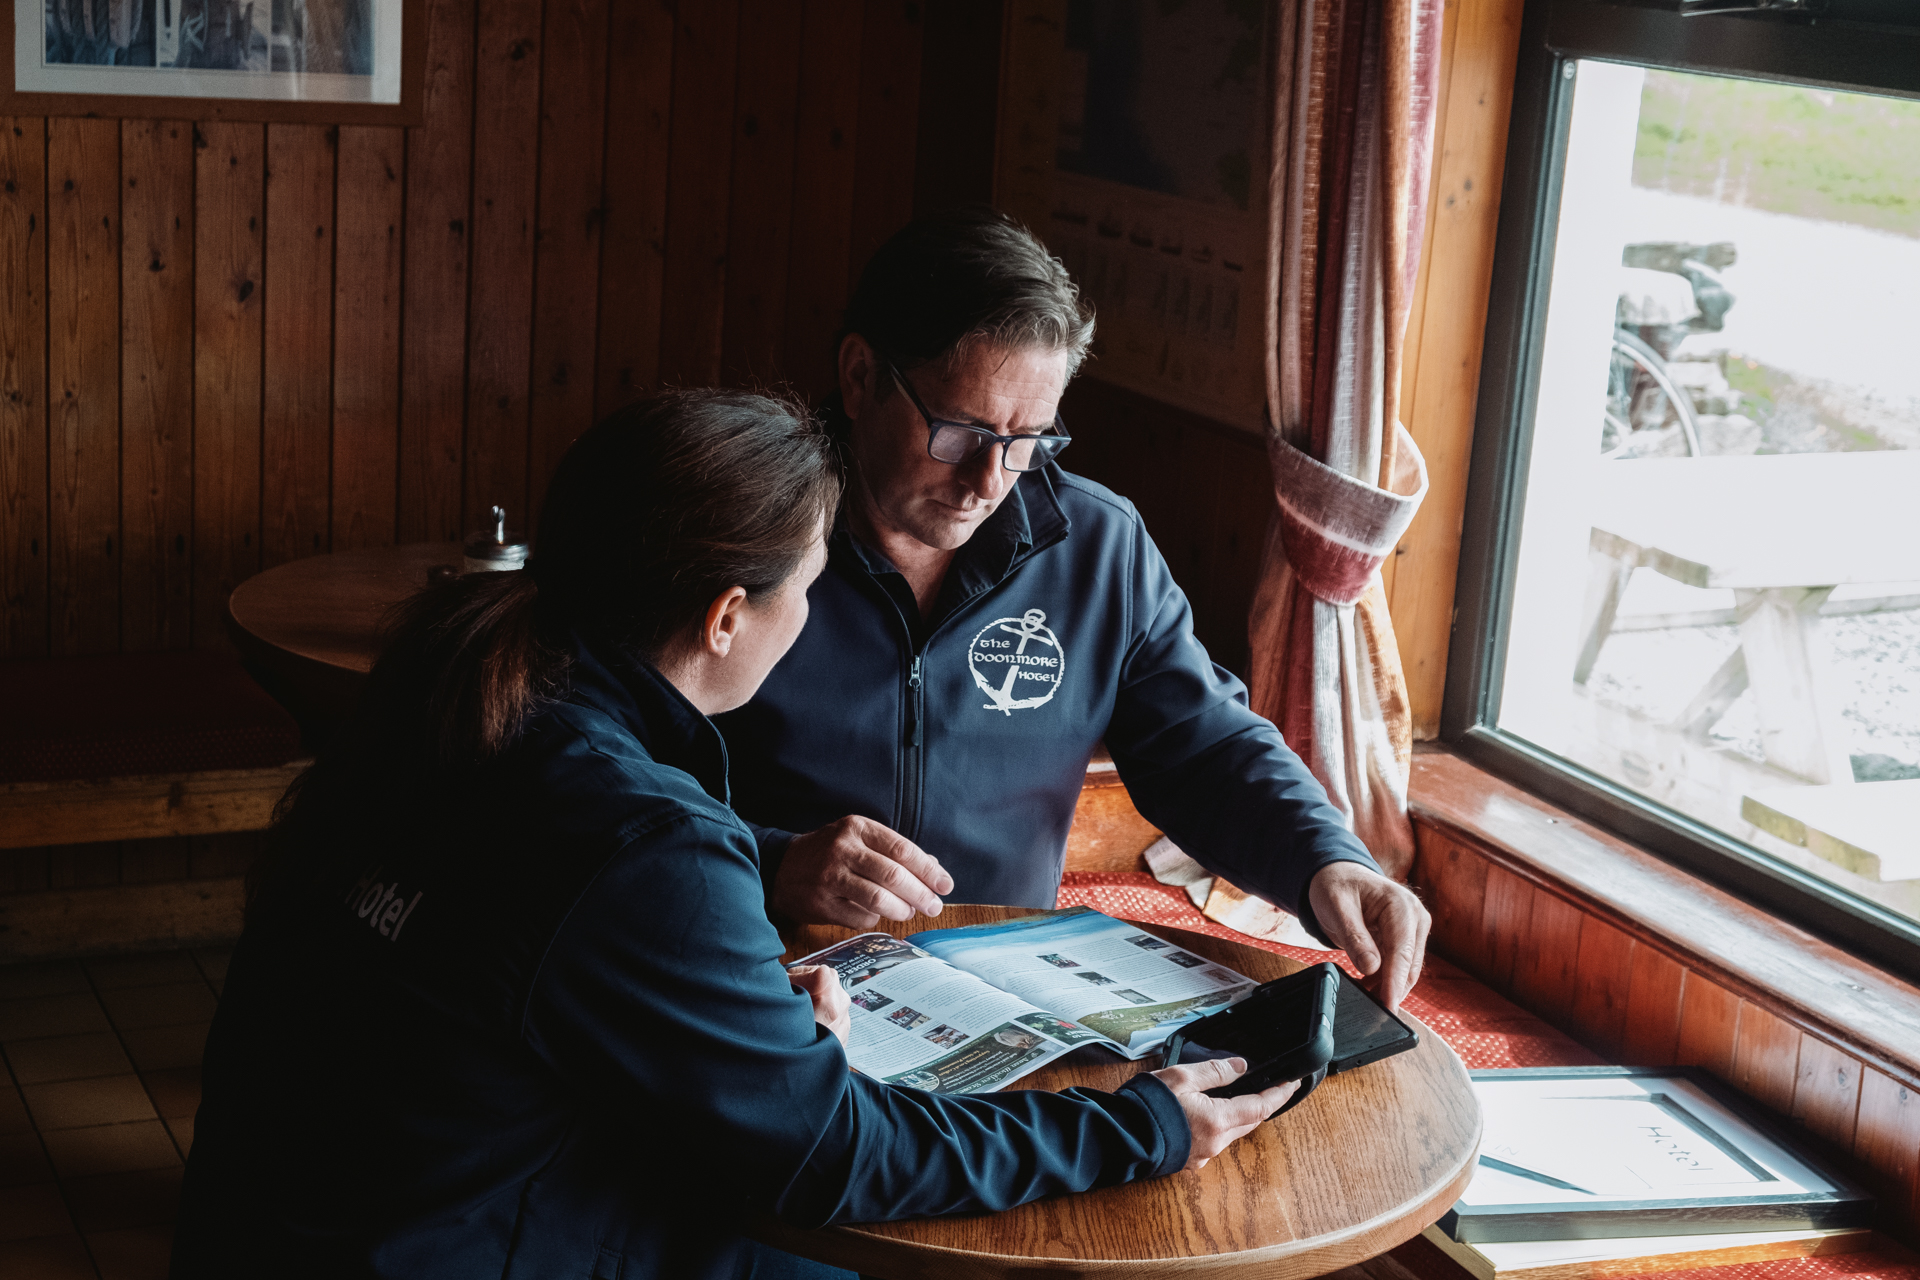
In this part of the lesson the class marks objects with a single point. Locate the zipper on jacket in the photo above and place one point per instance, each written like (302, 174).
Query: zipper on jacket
(914, 699)
(914, 754)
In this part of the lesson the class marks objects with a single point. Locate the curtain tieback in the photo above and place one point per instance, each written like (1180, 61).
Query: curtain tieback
(1338, 530)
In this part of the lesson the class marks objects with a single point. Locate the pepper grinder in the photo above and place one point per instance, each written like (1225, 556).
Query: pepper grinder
(495, 550)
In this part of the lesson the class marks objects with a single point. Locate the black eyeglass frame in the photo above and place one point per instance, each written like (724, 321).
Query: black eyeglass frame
(1046, 446)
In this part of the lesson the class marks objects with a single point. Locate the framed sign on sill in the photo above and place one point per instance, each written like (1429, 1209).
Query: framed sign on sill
(1593, 1153)
(316, 61)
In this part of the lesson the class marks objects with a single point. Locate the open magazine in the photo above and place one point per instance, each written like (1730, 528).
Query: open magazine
(969, 1010)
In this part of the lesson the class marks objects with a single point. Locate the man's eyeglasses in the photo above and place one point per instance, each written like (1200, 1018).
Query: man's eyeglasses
(957, 442)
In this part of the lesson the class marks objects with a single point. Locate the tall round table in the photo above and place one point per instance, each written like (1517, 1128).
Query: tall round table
(313, 625)
(1374, 1156)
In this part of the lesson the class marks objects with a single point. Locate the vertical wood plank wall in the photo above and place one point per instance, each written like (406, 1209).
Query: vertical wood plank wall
(225, 346)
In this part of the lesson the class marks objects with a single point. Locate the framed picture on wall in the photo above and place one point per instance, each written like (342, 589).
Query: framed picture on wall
(322, 61)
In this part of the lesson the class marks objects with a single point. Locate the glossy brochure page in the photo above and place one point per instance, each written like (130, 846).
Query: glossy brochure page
(1108, 976)
(918, 1021)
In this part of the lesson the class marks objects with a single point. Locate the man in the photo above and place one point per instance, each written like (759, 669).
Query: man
(986, 619)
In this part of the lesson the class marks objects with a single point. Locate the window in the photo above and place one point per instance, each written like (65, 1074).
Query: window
(1690, 600)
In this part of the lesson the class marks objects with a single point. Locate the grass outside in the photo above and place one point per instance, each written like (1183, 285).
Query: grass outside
(1839, 157)
(1799, 415)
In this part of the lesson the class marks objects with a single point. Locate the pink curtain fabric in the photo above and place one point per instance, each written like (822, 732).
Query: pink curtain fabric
(1352, 138)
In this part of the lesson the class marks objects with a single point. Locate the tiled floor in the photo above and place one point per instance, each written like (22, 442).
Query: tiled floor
(96, 1110)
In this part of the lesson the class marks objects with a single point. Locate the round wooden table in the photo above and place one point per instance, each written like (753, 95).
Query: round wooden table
(313, 625)
(1370, 1159)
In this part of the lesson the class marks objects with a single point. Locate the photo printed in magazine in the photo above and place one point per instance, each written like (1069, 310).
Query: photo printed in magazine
(918, 1021)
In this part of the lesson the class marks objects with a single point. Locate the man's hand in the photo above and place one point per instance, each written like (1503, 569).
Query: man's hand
(1218, 1122)
(831, 1008)
(1369, 916)
(854, 872)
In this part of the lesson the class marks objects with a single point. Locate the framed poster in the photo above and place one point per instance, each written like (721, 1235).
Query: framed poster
(322, 61)
(1133, 141)
(1587, 1153)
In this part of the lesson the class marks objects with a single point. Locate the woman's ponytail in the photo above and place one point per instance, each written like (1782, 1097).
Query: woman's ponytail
(470, 654)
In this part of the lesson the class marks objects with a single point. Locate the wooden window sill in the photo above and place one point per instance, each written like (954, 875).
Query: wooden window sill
(1655, 967)
(1863, 1009)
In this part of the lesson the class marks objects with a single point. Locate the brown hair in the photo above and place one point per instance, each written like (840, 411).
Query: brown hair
(969, 275)
(651, 514)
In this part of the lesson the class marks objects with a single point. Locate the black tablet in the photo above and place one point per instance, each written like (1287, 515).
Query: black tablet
(1363, 1030)
(1284, 1030)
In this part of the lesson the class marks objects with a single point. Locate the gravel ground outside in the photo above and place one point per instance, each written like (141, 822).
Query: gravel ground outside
(1876, 660)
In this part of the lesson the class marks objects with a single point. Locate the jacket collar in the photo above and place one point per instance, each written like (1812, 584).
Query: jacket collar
(645, 703)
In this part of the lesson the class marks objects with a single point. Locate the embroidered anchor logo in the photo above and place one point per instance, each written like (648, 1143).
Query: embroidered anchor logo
(1024, 668)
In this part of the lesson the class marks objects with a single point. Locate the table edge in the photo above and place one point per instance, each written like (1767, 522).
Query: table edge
(863, 1249)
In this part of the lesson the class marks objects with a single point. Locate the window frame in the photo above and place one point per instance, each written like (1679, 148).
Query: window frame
(1855, 48)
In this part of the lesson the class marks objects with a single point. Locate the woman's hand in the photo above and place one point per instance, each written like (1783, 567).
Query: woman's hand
(830, 1004)
(1218, 1122)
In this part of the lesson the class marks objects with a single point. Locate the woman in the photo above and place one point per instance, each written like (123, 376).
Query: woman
(508, 1002)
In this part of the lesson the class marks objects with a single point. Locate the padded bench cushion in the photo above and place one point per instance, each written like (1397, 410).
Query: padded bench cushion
(125, 715)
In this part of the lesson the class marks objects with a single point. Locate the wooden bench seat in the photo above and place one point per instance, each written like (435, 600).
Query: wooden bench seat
(86, 810)
(128, 746)
(134, 748)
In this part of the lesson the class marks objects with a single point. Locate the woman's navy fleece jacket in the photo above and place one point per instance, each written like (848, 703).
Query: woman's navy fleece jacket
(540, 1027)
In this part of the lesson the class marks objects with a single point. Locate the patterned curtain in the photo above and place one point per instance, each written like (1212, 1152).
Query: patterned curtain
(1353, 101)
(1352, 142)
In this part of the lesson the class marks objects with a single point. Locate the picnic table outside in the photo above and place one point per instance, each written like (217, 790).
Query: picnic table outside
(1782, 532)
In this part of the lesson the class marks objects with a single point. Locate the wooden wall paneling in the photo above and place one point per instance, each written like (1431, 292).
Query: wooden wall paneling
(1652, 1033)
(1718, 937)
(1243, 505)
(156, 384)
(573, 113)
(83, 362)
(1176, 512)
(634, 199)
(23, 387)
(1452, 880)
(766, 122)
(1709, 1017)
(506, 131)
(820, 261)
(1826, 1091)
(1766, 1057)
(884, 160)
(1602, 984)
(161, 858)
(24, 870)
(1503, 922)
(705, 53)
(227, 853)
(1441, 380)
(1543, 969)
(297, 424)
(1887, 1140)
(433, 381)
(366, 336)
(959, 105)
(1417, 305)
(84, 866)
(229, 231)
